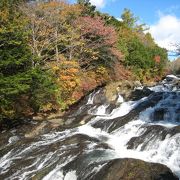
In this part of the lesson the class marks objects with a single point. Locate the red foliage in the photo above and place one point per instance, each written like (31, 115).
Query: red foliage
(96, 27)
(77, 95)
(117, 53)
(88, 85)
(157, 59)
(120, 73)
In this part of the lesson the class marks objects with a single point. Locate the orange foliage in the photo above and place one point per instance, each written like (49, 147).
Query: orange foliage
(157, 59)
(120, 72)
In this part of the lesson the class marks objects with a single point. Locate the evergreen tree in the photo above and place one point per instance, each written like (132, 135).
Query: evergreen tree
(18, 76)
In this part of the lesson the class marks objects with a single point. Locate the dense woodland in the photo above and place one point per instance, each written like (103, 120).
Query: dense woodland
(53, 53)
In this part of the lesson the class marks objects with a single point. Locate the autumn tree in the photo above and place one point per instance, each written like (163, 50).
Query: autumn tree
(51, 30)
(99, 42)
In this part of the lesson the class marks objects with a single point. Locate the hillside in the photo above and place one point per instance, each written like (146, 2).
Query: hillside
(53, 53)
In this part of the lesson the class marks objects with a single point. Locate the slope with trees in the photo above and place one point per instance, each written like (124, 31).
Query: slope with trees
(53, 53)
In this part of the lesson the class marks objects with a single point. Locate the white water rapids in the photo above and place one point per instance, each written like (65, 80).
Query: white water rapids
(49, 153)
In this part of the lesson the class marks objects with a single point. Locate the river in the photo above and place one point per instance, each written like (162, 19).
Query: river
(146, 129)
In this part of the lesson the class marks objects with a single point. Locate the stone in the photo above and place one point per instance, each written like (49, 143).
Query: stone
(133, 169)
(159, 114)
(36, 131)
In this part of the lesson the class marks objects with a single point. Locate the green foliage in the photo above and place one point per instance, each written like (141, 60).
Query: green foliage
(52, 53)
(88, 8)
(18, 75)
(43, 90)
(141, 54)
(15, 56)
(128, 19)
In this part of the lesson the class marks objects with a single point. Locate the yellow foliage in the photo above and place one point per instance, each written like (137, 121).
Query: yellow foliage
(102, 74)
(47, 107)
(8, 113)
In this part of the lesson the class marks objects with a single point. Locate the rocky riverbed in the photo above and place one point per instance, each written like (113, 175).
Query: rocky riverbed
(122, 131)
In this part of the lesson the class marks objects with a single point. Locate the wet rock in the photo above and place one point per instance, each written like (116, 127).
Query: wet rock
(110, 108)
(150, 133)
(112, 90)
(132, 169)
(159, 114)
(113, 124)
(100, 98)
(72, 122)
(36, 131)
(140, 93)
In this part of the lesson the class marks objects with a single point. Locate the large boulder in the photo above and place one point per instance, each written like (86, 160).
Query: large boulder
(133, 169)
(125, 88)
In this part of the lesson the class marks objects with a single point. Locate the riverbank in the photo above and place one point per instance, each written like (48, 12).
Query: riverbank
(94, 139)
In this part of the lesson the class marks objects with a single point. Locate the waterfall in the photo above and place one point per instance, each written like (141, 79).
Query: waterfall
(147, 129)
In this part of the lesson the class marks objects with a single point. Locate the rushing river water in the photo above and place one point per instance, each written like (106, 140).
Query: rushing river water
(146, 129)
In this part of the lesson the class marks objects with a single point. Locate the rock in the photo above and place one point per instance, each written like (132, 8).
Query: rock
(159, 114)
(110, 108)
(140, 93)
(112, 124)
(13, 139)
(150, 83)
(137, 84)
(55, 115)
(100, 98)
(133, 169)
(69, 121)
(36, 131)
(112, 90)
(38, 118)
(57, 121)
(154, 131)
(52, 116)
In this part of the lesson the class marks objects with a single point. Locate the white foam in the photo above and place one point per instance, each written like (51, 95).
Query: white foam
(71, 175)
(120, 99)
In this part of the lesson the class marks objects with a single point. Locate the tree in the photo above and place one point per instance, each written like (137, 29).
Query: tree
(51, 29)
(15, 57)
(128, 19)
(88, 8)
(99, 42)
(19, 79)
(131, 22)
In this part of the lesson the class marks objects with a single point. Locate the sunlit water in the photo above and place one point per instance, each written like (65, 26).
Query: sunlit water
(50, 153)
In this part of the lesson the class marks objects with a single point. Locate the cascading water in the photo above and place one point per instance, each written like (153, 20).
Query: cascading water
(146, 129)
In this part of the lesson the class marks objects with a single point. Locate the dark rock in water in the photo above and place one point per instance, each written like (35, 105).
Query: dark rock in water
(113, 124)
(177, 111)
(152, 132)
(140, 93)
(155, 131)
(159, 114)
(132, 169)
(100, 98)
(110, 108)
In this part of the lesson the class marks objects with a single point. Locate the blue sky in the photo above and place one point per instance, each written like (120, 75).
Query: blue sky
(162, 16)
(147, 10)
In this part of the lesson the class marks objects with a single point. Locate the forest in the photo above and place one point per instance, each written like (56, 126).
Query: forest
(53, 53)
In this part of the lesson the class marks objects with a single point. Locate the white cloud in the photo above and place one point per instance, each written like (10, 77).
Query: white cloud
(98, 3)
(166, 31)
(119, 19)
(101, 3)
